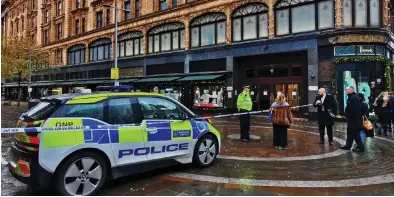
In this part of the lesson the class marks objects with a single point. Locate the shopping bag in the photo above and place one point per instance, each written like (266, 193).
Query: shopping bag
(270, 116)
(362, 135)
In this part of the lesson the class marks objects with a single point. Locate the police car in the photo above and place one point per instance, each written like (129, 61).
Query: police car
(112, 134)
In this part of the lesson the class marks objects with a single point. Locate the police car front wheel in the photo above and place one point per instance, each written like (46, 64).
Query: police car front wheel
(82, 174)
(206, 151)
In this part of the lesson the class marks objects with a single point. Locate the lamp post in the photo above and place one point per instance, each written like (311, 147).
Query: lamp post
(116, 37)
(29, 86)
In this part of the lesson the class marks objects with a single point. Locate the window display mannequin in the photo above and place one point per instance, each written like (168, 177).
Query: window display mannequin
(220, 97)
(197, 96)
(205, 97)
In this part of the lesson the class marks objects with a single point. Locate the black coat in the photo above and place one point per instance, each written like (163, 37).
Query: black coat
(364, 109)
(324, 117)
(353, 113)
(384, 113)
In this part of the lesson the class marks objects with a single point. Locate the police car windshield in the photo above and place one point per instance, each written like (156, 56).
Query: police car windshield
(41, 111)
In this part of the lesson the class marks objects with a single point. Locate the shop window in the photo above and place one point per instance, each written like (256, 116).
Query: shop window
(361, 13)
(165, 68)
(294, 16)
(207, 65)
(166, 38)
(250, 22)
(157, 108)
(208, 29)
(130, 44)
(76, 54)
(249, 73)
(170, 91)
(208, 96)
(100, 50)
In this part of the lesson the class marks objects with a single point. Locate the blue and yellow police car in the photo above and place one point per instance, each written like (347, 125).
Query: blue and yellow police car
(84, 140)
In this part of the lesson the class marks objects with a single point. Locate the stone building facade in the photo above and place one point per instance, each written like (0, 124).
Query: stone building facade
(203, 51)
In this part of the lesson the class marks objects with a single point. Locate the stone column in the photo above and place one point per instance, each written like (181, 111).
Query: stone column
(271, 19)
(313, 77)
(338, 13)
(38, 21)
(67, 19)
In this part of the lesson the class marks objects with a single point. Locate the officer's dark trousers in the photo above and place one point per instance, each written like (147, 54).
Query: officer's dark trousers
(354, 134)
(329, 132)
(245, 125)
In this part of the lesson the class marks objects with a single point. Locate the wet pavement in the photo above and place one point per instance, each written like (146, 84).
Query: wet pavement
(255, 167)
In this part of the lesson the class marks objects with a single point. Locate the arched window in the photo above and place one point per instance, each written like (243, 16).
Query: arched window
(296, 16)
(208, 29)
(167, 37)
(76, 54)
(100, 50)
(130, 44)
(250, 22)
(361, 13)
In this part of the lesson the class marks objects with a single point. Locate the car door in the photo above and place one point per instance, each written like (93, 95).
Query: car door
(167, 135)
(128, 141)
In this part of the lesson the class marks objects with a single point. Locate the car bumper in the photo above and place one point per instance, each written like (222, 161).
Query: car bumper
(23, 166)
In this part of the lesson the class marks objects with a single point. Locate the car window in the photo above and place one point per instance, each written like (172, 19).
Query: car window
(95, 110)
(41, 111)
(157, 108)
(121, 111)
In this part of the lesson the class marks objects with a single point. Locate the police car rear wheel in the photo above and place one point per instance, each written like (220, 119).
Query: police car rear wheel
(206, 151)
(82, 174)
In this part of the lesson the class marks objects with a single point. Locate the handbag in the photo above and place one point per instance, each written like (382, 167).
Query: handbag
(367, 125)
(270, 116)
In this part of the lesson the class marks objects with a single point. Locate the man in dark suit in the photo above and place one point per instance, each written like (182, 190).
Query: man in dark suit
(353, 113)
(326, 108)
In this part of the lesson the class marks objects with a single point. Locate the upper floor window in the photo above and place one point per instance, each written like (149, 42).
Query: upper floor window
(59, 31)
(76, 54)
(45, 37)
(46, 16)
(250, 22)
(23, 23)
(59, 8)
(108, 15)
(99, 19)
(17, 26)
(167, 37)
(12, 28)
(77, 2)
(361, 13)
(83, 25)
(174, 3)
(208, 29)
(137, 8)
(296, 16)
(127, 6)
(163, 4)
(59, 56)
(77, 27)
(100, 50)
(130, 44)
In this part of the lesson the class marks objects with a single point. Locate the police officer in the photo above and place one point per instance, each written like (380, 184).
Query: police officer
(244, 104)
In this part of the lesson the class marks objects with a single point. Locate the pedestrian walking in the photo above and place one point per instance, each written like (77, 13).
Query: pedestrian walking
(391, 98)
(244, 104)
(383, 109)
(281, 121)
(156, 90)
(326, 110)
(365, 115)
(353, 113)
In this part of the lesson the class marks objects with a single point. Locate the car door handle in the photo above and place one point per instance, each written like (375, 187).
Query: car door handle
(151, 130)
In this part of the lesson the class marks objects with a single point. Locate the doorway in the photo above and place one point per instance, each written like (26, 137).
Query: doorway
(267, 93)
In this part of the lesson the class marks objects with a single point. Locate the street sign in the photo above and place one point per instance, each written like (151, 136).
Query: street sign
(114, 73)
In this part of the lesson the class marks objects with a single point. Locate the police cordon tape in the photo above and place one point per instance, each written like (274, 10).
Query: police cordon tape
(110, 127)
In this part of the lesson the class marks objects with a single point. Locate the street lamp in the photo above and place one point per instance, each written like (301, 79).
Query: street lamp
(116, 36)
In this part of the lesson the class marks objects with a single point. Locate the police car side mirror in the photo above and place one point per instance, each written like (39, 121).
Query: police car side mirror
(183, 116)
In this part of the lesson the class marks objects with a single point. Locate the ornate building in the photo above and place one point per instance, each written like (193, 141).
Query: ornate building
(202, 51)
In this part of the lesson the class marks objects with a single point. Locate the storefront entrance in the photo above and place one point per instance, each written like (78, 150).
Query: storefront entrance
(265, 94)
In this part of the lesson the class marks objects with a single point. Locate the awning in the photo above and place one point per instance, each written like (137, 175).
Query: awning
(13, 85)
(199, 78)
(158, 79)
(41, 84)
(127, 80)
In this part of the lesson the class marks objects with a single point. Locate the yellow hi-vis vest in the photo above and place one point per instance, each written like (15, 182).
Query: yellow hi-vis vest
(244, 101)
